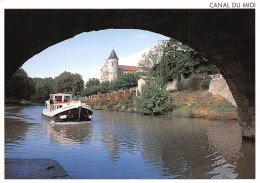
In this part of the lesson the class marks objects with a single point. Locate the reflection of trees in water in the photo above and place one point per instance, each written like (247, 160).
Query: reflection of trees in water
(15, 130)
(71, 133)
(179, 148)
(246, 162)
(18, 112)
(119, 135)
(184, 150)
(225, 142)
(176, 148)
(16, 127)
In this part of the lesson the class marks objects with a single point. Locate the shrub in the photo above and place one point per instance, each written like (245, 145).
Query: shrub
(181, 86)
(154, 100)
(206, 82)
(194, 83)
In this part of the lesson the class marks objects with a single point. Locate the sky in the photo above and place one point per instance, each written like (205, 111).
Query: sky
(87, 52)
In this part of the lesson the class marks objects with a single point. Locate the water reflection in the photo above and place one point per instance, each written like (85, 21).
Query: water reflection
(245, 165)
(16, 130)
(118, 135)
(226, 144)
(16, 112)
(126, 145)
(70, 133)
(178, 148)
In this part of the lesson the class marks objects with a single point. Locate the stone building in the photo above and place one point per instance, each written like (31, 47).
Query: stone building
(111, 70)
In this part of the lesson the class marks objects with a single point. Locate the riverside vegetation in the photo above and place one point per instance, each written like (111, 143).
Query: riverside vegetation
(155, 100)
(168, 61)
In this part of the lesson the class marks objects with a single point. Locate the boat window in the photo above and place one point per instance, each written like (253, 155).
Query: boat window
(66, 98)
(58, 98)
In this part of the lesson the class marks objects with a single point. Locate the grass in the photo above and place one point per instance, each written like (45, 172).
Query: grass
(199, 104)
(202, 104)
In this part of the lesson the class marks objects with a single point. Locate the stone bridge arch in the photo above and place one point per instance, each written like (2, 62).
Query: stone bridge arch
(225, 37)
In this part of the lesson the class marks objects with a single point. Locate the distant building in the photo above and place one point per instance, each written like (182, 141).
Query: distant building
(111, 70)
(141, 82)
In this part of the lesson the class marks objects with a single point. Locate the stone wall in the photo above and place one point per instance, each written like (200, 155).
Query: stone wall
(172, 85)
(219, 86)
(140, 82)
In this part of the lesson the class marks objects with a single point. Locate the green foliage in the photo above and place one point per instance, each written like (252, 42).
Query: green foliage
(190, 113)
(103, 87)
(153, 99)
(114, 86)
(194, 82)
(124, 82)
(222, 107)
(92, 87)
(92, 82)
(152, 57)
(39, 89)
(96, 88)
(43, 89)
(67, 82)
(181, 86)
(127, 104)
(179, 59)
(20, 86)
(127, 81)
(206, 82)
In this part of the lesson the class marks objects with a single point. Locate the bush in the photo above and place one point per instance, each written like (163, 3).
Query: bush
(194, 83)
(154, 100)
(206, 82)
(114, 102)
(181, 86)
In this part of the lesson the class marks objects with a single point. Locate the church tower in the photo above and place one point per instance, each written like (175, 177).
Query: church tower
(109, 71)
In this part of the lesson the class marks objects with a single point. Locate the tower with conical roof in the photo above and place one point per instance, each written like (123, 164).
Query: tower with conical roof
(109, 71)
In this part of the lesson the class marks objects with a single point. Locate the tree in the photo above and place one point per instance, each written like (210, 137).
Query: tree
(103, 87)
(67, 82)
(20, 86)
(154, 99)
(43, 89)
(91, 87)
(127, 81)
(152, 57)
(179, 59)
(92, 82)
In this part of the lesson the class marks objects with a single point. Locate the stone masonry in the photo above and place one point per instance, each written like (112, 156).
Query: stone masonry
(218, 86)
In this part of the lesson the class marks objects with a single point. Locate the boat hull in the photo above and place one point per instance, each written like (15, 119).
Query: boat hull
(70, 115)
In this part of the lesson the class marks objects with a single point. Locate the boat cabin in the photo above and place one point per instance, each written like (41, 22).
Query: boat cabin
(61, 98)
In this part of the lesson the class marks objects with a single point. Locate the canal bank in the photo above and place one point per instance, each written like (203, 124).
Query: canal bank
(199, 104)
(203, 104)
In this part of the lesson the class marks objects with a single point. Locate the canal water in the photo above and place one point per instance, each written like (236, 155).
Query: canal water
(131, 146)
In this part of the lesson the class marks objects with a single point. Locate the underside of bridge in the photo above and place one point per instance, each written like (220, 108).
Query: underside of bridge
(225, 37)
